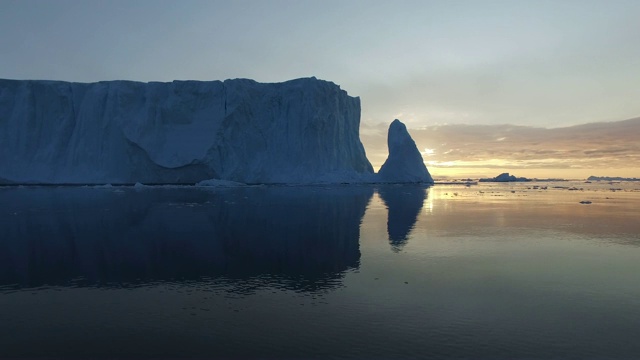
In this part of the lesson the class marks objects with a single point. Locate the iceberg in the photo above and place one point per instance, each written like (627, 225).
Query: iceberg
(504, 177)
(117, 132)
(219, 183)
(405, 163)
(186, 132)
(611, 178)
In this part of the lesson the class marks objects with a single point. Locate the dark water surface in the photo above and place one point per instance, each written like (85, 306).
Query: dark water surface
(489, 271)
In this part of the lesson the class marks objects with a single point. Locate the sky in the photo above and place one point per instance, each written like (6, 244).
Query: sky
(455, 64)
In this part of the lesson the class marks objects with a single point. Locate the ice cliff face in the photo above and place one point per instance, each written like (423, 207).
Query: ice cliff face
(405, 163)
(299, 131)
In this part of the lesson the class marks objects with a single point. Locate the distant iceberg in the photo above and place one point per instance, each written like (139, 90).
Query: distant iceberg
(186, 132)
(504, 177)
(610, 178)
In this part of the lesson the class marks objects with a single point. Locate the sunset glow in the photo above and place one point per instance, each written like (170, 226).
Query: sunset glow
(462, 151)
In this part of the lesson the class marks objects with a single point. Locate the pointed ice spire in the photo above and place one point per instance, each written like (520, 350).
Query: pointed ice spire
(405, 163)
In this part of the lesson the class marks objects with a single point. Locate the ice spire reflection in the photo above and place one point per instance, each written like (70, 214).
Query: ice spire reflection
(404, 203)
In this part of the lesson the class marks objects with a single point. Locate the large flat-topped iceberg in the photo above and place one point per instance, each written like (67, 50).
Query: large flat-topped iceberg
(299, 131)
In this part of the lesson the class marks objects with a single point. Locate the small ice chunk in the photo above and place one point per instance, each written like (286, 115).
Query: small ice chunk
(219, 183)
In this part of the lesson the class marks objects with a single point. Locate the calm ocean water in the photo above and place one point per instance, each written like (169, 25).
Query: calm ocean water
(489, 271)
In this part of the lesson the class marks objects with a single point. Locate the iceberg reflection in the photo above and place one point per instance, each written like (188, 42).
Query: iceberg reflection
(404, 203)
(300, 237)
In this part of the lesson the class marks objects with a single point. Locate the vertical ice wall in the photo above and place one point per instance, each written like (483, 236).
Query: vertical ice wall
(300, 131)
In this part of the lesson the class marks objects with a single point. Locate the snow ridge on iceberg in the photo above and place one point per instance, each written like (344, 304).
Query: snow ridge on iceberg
(239, 130)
